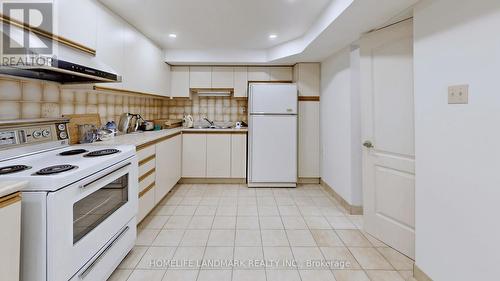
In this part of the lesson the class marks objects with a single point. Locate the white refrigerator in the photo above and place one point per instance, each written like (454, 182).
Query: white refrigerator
(272, 135)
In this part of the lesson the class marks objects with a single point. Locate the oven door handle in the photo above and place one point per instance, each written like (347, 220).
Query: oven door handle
(105, 176)
(87, 270)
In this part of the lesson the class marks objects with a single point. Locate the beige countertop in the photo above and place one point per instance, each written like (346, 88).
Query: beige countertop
(9, 187)
(137, 139)
(232, 130)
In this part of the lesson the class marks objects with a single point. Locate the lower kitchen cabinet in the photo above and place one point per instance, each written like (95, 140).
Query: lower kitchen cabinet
(214, 155)
(238, 156)
(309, 140)
(168, 166)
(147, 175)
(218, 156)
(10, 236)
(159, 171)
(194, 155)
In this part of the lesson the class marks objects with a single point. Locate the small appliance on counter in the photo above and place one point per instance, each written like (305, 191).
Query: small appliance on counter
(146, 125)
(129, 123)
(188, 121)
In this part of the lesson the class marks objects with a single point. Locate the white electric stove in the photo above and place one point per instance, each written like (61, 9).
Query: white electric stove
(79, 207)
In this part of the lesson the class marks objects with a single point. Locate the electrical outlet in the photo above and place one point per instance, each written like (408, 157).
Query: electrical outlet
(458, 94)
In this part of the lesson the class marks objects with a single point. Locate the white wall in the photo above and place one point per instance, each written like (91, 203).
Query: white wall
(340, 125)
(457, 146)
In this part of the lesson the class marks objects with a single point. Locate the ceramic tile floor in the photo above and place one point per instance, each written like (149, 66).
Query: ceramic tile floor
(212, 232)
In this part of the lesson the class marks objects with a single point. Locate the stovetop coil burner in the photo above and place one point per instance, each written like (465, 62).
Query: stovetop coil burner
(55, 169)
(72, 152)
(13, 169)
(102, 152)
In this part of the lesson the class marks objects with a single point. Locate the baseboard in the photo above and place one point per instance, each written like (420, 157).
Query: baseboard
(353, 210)
(309, 180)
(272, 185)
(419, 275)
(213, 180)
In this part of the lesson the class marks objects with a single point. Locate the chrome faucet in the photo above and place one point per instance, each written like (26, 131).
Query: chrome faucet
(212, 124)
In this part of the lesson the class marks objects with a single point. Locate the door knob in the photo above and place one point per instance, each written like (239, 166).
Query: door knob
(368, 144)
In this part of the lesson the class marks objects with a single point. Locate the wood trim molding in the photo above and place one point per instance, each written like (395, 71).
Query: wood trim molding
(147, 159)
(213, 180)
(145, 190)
(147, 174)
(128, 92)
(53, 37)
(211, 89)
(309, 180)
(276, 81)
(309, 98)
(235, 65)
(148, 144)
(10, 199)
(419, 274)
(353, 210)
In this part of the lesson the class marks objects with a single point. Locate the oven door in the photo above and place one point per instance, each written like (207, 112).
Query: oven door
(83, 217)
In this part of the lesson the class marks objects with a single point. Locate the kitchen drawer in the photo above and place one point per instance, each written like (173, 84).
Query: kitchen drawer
(146, 179)
(145, 152)
(146, 166)
(146, 202)
(105, 262)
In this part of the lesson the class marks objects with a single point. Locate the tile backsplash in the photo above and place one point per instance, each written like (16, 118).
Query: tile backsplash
(220, 109)
(21, 99)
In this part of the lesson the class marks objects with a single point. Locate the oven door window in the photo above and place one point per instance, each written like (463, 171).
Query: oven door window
(90, 211)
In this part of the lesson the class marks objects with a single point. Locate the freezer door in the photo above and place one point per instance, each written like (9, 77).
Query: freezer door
(273, 149)
(273, 98)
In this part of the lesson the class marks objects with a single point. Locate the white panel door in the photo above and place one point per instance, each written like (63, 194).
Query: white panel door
(273, 149)
(309, 139)
(200, 77)
(194, 155)
(218, 155)
(238, 156)
(258, 73)
(222, 77)
(179, 81)
(388, 132)
(240, 81)
(284, 73)
(273, 98)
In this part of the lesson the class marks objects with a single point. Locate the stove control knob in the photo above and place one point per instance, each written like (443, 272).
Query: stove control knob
(37, 134)
(63, 135)
(45, 133)
(61, 127)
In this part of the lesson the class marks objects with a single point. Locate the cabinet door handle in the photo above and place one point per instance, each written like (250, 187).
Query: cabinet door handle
(368, 144)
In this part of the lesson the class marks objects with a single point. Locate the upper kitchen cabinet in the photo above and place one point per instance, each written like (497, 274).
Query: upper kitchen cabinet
(307, 77)
(76, 20)
(222, 77)
(281, 73)
(200, 77)
(258, 73)
(110, 43)
(240, 81)
(179, 81)
(144, 71)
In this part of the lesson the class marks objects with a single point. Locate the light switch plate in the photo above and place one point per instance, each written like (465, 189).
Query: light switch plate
(458, 94)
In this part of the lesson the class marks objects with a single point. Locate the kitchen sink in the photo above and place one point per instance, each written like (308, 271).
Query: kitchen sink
(212, 127)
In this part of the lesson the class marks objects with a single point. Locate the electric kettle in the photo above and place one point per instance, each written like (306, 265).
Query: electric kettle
(188, 121)
(128, 123)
